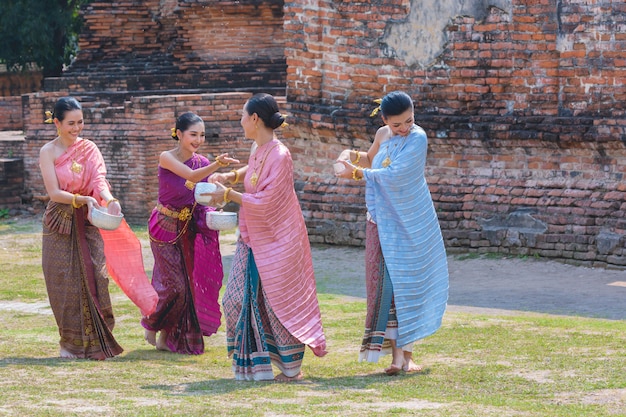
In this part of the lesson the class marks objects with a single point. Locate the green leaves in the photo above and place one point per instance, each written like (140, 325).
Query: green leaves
(39, 32)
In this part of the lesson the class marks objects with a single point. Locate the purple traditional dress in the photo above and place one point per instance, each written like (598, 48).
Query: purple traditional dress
(187, 272)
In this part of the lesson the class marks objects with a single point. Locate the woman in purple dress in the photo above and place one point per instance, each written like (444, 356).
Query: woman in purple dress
(187, 272)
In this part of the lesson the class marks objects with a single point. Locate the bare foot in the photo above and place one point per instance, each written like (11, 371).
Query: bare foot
(150, 336)
(65, 354)
(284, 378)
(411, 366)
(393, 370)
(397, 361)
(161, 343)
(408, 364)
(98, 357)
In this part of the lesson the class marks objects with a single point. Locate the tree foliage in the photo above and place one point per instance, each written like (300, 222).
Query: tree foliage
(40, 32)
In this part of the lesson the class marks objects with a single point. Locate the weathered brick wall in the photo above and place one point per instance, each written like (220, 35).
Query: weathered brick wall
(11, 182)
(12, 86)
(178, 45)
(16, 84)
(523, 103)
(11, 111)
(132, 135)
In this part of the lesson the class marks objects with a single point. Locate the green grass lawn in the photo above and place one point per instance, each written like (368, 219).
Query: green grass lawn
(475, 365)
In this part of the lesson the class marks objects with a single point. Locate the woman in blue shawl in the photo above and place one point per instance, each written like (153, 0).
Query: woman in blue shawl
(406, 265)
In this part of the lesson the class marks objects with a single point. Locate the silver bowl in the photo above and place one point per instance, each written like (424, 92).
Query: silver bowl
(201, 188)
(221, 220)
(103, 220)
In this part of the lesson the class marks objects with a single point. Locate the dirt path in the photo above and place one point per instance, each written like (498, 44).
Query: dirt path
(504, 285)
(488, 285)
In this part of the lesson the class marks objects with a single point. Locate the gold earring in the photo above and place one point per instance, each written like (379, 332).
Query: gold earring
(58, 132)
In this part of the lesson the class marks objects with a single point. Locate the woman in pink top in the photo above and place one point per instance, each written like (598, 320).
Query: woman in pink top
(73, 258)
(270, 303)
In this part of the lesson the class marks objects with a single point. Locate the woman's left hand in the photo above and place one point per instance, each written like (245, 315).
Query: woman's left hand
(114, 208)
(347, 172)
(217, 196)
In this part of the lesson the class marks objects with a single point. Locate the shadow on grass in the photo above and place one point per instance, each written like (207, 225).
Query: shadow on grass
(224, 385)
(52, 361)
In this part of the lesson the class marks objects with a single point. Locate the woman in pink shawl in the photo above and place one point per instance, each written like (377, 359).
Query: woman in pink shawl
(73, 258)
(187, 272)
(270, 301)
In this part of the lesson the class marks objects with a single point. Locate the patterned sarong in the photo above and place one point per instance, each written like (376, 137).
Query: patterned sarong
(255, 336)
(187, 273)
(75, 273)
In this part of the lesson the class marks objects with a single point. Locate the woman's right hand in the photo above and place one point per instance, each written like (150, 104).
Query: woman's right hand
(225, 159)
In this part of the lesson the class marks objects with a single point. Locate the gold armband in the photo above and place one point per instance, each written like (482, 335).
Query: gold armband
(226, 191)
(74, 203)
(236, 180)
(358, 157)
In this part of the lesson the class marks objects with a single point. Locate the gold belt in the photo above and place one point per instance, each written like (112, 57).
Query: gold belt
(183, 215)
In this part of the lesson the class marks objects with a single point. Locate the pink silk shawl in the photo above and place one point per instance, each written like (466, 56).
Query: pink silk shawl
(122, 249)
(271, 223)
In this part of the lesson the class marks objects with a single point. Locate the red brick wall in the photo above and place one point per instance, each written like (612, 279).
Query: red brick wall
(12, 86)
(523, 105)
(174, 45)
(11, 182)
(524, 110)
(11, 111)
(132, 135)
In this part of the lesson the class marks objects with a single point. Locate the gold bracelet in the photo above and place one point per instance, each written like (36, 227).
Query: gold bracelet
(354, 177)
(74, 203)
(358, 157)
(111, 201)
(226, 191)
(220, 163)
(236, 180)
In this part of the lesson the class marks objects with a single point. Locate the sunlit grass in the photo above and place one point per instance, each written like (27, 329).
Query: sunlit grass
(475, 365)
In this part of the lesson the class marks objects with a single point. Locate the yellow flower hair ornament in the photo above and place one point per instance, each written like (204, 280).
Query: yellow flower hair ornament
(174, 132)
(285, 124)
(48, 117)
(377, 109)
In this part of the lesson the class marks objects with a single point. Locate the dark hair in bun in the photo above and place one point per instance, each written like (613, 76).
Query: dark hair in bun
(64, 105)
(264, 105)
(395, 103)
(185, 121)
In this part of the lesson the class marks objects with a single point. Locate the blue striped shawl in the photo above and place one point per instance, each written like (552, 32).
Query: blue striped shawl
(399, 201)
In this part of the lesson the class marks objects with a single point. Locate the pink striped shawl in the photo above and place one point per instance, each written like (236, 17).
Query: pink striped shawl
(271, 223)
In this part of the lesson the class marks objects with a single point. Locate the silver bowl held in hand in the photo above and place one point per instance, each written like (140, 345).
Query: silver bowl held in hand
(103, 220)
(204, 188)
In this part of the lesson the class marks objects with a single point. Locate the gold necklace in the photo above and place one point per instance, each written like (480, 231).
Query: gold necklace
(255, 177)
(387, 160)
(76, 167)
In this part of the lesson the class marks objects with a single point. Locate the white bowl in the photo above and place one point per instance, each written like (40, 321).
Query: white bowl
(221, 220)
(103, 220)
(339, 167)
(204, 187)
